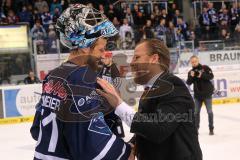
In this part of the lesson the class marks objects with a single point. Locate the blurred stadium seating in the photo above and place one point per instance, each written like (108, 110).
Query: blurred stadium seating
(214, 26)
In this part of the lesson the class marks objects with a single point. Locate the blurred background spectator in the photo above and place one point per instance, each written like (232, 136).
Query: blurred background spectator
(236, 34)
(125, 32)
(40, 5)
(2, 16)
(38, 33)
(136, 19)
(148, 30)
(31, 78)
(11, 17)
(46, 18)
(55, 4)
(161, 29)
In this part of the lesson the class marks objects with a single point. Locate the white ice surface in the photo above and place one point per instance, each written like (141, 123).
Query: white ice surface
(17, 144)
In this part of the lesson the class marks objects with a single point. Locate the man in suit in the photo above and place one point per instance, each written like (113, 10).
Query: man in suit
(164, 124)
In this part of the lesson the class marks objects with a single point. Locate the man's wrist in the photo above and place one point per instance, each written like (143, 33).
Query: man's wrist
(120, 101)
(125, 112)
(120, 106)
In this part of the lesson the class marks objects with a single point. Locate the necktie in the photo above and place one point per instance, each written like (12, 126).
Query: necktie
(146, 88)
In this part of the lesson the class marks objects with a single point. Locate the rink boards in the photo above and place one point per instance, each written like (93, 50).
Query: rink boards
(20, 101)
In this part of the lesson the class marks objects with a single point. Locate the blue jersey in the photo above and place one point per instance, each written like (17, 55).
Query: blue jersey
(69, 121)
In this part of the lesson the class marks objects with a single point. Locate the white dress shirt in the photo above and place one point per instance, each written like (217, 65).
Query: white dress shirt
(125, 112)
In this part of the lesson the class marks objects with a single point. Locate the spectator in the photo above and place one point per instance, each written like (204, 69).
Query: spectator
(41, 47)
(140, 20)
(135, 14)
(214, 21)
(65, 4)
(213, 14)
(25, 15)
(36, 15)
(182, 27)
(224, 17)
(30, 8)
(20, 4)
(142, 7)
(56, 15)
(172, 11)
(234, 17)
(109, 71)
(161, 29)
(51, 32)
(55, 4)
(2, 17)
(148, 30)
(164, 15)
(11, 17)
(202, 47)
(38, 32)
(223, 25)
(116, 23)
(123, 11)
(194, 38)
(46, 18)
(129, 16)
(124, 29)
(171, 35)
(175, 17)
(111, 13)
(205, 23)
(51, 44)
(180, 38)
(31, 78)
(225, 36)
(155, 20)
(156, 10)
(40, 5)
(236, 35)
(8, 5)
(101, 8)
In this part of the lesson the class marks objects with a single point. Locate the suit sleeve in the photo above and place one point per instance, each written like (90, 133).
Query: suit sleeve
(155, 127)
(207, 74)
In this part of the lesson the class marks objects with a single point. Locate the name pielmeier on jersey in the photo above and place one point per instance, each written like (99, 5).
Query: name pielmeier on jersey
(80, 133)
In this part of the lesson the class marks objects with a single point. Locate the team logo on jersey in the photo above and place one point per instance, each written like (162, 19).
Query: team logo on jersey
(98, 125)
(55, 88)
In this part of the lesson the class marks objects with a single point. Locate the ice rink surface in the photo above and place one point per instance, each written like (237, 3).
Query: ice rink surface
(17, 144)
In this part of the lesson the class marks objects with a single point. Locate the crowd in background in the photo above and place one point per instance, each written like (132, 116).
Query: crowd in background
(134, 21)
(222, 23)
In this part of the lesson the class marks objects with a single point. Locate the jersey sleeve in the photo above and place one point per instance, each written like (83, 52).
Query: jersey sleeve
(35, 128)
(99, 142)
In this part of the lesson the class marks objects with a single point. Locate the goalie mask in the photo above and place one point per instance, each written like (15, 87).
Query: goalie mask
(79, 26)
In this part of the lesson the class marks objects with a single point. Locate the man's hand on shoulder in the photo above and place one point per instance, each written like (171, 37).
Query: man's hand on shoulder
(109, 92)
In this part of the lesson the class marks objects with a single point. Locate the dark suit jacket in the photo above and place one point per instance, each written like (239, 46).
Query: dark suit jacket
(164, 125)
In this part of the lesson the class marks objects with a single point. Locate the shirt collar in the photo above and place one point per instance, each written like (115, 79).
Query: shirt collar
(152, 80)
